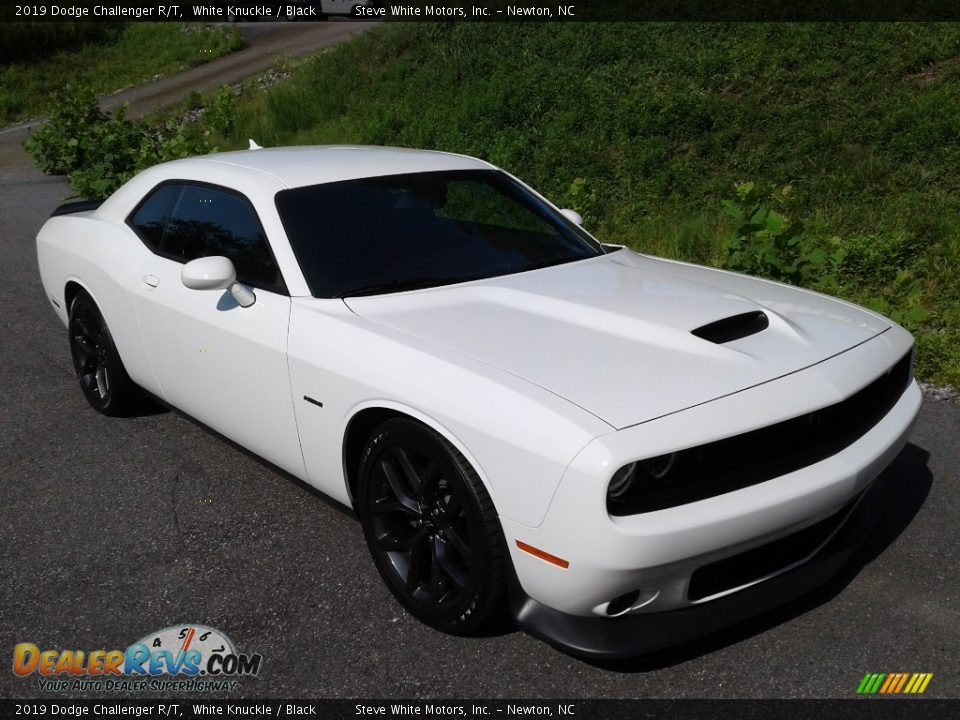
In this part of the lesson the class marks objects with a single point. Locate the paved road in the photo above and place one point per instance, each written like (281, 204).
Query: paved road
(111, 528)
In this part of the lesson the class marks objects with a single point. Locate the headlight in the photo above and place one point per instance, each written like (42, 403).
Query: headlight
(630, 478)
(621, 482)
(658, 467)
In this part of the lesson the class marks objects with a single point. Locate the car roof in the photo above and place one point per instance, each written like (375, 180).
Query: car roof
(313, 165)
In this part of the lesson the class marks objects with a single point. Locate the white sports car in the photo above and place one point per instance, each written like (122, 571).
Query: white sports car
(624, 451)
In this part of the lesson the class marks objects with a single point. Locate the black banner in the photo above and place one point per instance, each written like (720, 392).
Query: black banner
(482, 10)
(864, 709)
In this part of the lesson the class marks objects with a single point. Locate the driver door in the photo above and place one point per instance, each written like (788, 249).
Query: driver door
(220, 363)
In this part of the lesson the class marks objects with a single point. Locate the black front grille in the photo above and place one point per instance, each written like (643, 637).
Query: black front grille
(755, 457)
(765, 560)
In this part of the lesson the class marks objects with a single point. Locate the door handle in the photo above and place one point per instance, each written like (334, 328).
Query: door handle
(151, 280)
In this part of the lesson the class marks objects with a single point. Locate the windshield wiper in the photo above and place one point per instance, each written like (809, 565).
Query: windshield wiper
(406, 284)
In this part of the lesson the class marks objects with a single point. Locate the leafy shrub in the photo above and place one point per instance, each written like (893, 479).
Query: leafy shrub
(938, 351)
(100, 151)
(583, 196)
(56, 146)
(766, 241)
(109, 152)
(902, 300)
(221, 115)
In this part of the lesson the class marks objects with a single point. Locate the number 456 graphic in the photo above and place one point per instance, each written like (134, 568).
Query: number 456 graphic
(894, 683)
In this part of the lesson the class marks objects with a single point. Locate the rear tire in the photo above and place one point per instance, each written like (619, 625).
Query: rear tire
(102, 376)
(431, 528)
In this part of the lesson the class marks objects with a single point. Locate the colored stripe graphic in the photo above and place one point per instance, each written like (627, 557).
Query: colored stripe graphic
(870, 683)
(890, 679)
(919, 683)
(903, 680)
(894, 683)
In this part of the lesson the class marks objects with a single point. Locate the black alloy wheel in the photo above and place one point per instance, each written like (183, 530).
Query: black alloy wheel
(431, 528)
(103, 379)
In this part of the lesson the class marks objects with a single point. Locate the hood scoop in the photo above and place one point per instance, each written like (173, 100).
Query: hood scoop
(733, 327)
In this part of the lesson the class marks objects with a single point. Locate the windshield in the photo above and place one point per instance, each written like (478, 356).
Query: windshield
(402, 232)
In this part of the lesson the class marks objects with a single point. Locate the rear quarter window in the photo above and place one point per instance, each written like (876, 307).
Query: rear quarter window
(150, 219)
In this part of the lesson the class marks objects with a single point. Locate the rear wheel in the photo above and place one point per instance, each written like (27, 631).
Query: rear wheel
(431, 528)
(103, 379)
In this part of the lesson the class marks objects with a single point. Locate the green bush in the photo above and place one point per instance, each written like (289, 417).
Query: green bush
(767, 241)
(221, 114)
(56, 147)
(99, 151)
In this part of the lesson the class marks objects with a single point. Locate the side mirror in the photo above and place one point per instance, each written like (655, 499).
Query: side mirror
(216, 273)
(572, 215)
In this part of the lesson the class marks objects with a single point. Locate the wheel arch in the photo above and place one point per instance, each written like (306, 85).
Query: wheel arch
(365, 418)
(70, 290)
(73, 287)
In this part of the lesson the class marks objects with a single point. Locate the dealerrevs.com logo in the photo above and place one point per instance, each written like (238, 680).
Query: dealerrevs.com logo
(181, 657)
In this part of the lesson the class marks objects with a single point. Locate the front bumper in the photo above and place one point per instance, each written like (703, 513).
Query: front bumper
(703, 558)
(633, 635)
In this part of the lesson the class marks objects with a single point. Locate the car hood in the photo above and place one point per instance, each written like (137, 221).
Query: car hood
(612, 334)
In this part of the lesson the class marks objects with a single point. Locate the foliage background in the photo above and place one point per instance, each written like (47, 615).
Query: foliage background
(824, 155)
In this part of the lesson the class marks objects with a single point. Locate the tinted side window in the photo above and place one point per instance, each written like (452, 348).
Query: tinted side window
(151, 217)
(185, 222)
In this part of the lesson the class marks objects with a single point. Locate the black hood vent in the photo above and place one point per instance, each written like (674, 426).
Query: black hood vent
(733, 327)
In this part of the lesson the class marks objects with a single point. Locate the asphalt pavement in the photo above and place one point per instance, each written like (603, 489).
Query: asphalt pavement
(113, 528)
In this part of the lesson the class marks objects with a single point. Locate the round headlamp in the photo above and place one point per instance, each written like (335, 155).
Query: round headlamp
(621, 482)
(631, 476)
(658, 467)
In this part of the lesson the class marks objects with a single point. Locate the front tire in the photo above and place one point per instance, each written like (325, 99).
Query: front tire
(431, 528)
(103, 379)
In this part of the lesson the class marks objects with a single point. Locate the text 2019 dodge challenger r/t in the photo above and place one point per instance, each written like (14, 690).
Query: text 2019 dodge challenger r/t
(625, 451)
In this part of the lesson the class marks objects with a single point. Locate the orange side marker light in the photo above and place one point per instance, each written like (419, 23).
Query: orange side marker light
(543, 555)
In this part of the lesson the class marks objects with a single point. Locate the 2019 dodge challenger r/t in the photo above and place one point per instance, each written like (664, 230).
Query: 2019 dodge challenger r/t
(622, 451)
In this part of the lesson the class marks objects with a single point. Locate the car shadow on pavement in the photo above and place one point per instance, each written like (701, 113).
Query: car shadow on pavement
(908, 481)
(303, 485)
(144, 404)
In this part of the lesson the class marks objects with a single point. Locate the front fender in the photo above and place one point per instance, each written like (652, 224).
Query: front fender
(518, 437)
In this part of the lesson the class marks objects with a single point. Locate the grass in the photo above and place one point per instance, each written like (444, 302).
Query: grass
(645, 128)
(123, 55)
